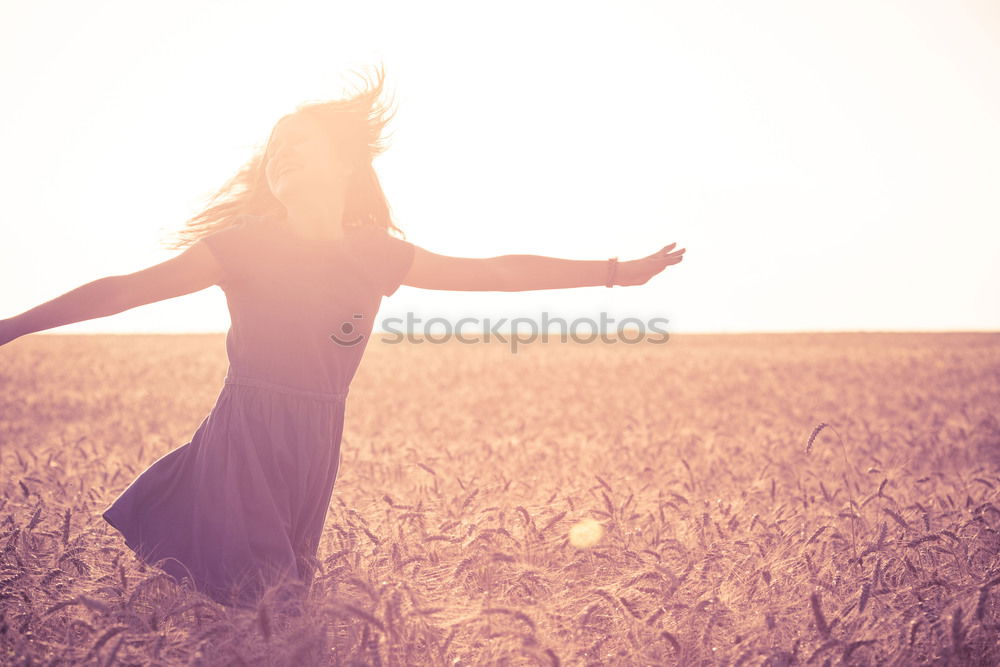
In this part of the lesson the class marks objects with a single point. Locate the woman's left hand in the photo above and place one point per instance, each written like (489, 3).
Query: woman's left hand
(639, 271)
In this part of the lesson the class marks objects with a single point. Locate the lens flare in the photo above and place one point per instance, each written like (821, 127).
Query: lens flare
(586, 533)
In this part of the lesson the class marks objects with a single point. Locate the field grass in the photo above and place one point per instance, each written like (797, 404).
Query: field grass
(465, 467)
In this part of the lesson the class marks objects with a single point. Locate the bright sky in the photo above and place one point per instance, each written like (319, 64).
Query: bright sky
(828, 166)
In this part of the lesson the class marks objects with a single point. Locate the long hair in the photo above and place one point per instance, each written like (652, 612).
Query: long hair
(357, 123)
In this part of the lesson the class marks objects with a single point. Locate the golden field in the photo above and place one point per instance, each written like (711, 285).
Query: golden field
(717, 538)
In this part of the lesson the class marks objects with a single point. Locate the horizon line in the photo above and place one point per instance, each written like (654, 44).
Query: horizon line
(555, 334)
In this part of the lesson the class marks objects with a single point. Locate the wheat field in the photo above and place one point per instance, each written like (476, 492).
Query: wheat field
(731, 499)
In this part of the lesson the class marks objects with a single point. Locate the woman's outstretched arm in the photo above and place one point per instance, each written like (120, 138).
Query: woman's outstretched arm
(518, 273)
(192, 270)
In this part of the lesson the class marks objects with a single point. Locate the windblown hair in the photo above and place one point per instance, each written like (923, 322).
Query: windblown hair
(356, 123)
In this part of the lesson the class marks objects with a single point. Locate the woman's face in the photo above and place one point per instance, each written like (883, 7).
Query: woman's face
(302, 161)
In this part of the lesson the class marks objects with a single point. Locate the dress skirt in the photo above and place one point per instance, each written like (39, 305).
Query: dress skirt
(242, 505)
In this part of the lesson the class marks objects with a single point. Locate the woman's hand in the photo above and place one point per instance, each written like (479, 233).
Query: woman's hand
(639, 271)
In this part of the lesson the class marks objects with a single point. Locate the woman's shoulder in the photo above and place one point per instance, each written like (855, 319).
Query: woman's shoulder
(372, 233)
(238, 243)
(384, 257)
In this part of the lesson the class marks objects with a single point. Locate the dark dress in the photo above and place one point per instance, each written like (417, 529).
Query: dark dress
(242, 504)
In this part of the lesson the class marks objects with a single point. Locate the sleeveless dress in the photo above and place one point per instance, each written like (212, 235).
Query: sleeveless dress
(242, 504)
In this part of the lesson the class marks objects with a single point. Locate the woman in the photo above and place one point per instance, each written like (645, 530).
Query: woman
(299, 241)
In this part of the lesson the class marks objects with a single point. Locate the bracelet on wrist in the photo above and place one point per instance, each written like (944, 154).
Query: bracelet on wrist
(612, 271)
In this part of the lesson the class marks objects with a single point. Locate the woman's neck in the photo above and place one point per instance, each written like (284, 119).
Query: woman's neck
(313, 228)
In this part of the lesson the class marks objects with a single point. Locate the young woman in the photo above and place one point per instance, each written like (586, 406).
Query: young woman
(299, 240)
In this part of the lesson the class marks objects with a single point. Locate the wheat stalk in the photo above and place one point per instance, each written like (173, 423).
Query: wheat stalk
(812, 436)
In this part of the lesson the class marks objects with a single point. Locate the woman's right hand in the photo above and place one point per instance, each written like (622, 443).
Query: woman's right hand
(639, 271)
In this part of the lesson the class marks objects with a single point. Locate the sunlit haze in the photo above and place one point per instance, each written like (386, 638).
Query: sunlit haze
(828, 166)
